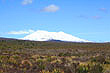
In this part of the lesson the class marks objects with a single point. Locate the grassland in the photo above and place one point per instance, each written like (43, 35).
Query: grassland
(19, 56)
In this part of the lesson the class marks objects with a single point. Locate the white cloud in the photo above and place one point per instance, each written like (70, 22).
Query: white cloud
(51, 8)
(25, 2)
(21, 32)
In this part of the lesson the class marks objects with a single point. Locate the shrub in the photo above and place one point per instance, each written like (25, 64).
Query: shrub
(97, 68)
(99, 59)
(65, 54)
(82, 69)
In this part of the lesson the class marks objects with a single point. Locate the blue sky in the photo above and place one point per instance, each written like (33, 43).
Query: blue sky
(86, 19)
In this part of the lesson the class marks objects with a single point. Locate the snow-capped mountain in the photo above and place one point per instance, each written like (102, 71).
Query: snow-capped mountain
(41, 35)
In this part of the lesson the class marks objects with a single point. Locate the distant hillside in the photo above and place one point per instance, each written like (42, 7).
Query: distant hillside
(1, 38)
(6, 43)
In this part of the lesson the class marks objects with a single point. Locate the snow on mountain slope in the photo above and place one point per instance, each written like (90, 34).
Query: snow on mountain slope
(41, 35)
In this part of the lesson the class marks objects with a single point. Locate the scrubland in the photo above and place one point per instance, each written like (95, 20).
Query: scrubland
(19, 56)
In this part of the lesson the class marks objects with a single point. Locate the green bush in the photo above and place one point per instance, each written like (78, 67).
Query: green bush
(82, 69)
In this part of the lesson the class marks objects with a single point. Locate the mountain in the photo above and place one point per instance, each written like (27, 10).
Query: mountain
(41, 35)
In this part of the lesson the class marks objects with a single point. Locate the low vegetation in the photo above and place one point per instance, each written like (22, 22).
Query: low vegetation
(18, 56)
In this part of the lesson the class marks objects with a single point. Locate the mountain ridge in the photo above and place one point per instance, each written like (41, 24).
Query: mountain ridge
(41, 35)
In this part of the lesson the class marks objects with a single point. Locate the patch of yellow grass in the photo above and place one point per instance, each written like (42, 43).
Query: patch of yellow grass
(35, 56)
(69, 59)
(26, 62)
(53, 57)
(73, 57)
(84, 63)
(106, 66)
(55, 61)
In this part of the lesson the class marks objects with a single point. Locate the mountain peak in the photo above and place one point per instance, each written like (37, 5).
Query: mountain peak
(42, 35)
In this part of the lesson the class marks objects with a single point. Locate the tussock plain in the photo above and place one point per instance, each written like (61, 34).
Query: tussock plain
(20, 56)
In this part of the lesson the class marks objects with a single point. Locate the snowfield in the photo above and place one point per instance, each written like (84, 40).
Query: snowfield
(41, 35)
